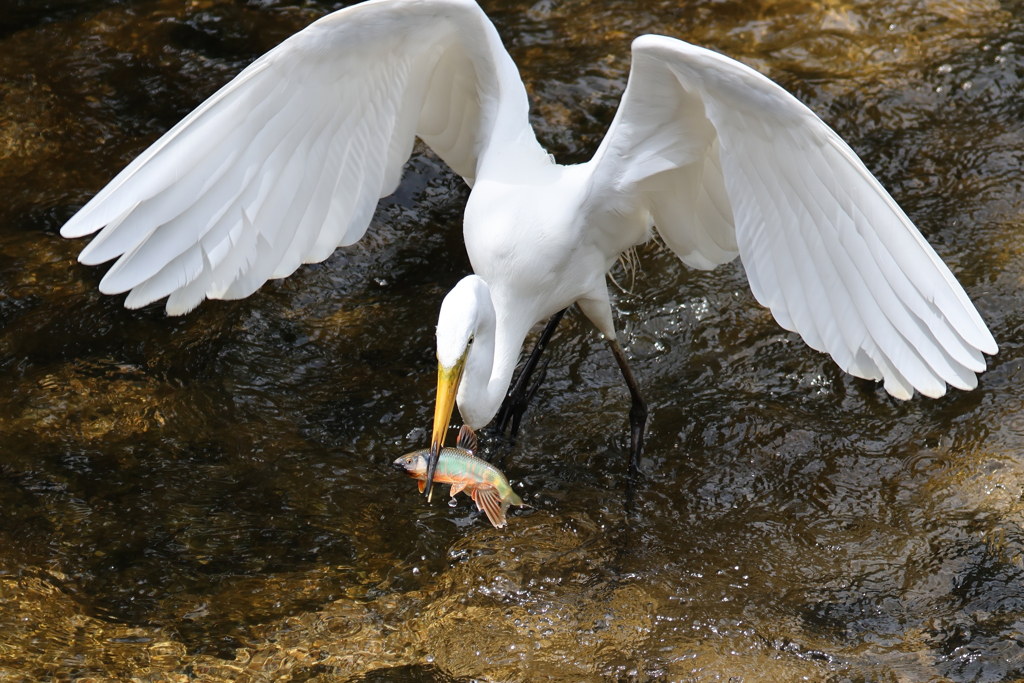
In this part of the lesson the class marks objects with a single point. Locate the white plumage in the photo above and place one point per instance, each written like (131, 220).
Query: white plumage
(287, 162)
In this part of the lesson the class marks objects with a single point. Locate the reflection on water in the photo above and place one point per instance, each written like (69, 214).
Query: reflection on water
(209, 497)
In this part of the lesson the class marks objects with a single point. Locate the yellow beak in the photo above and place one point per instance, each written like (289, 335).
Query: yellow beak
(447, 386)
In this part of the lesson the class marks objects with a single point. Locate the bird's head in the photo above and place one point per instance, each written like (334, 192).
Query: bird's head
(457, 325)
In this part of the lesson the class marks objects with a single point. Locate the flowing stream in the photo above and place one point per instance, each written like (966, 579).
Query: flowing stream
(210, 498)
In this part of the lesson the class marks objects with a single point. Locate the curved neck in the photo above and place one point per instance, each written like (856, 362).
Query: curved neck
(490, 363)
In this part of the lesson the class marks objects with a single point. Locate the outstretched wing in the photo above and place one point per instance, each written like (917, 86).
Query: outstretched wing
(287, 161)
(728, 162)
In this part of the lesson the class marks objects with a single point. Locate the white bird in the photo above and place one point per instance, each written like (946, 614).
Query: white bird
(287, 162)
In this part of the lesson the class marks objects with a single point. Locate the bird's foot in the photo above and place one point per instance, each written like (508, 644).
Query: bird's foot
(634, 475)
(637, 422)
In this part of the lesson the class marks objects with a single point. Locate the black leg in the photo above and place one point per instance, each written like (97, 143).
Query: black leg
(637, 413)
(521, 391)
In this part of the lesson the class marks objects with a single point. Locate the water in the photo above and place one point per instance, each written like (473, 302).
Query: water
(210, 497)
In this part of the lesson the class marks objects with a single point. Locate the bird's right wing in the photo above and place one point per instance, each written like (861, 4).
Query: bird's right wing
(728, 162)
(287, 161)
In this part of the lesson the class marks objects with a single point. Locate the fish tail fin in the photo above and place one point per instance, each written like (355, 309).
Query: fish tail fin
(511, 499)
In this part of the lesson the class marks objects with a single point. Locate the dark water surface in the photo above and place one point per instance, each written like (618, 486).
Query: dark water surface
(209, 497)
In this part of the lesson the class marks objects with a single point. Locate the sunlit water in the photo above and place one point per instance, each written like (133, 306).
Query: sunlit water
(209, 497)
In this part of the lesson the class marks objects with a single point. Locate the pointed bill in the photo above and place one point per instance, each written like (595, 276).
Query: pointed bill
(447, 386)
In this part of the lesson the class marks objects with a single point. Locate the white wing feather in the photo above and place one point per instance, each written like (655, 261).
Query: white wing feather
(288, 160)
(728, 162)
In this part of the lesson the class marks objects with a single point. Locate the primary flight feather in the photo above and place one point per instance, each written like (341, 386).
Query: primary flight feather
(287, 162)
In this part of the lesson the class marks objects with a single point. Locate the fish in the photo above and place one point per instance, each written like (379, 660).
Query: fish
(460, 467)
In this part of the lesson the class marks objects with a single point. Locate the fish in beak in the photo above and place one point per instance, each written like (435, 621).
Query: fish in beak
(459, 466)
(447, 387)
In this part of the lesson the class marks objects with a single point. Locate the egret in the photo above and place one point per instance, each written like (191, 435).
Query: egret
(287, 161)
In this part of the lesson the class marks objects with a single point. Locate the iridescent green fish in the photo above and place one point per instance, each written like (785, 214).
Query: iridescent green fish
(458, 466)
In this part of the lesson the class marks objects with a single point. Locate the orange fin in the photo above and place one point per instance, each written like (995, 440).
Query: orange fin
(422, 483)
(467, 439)
(458, 486)
(488, 501)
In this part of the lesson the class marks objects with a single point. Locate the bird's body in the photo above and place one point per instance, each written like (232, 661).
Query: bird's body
(530, 241)
(287, 162)
(506, 223)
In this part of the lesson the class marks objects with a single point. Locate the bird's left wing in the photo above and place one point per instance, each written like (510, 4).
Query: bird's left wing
(287, 161)
(728, 162)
